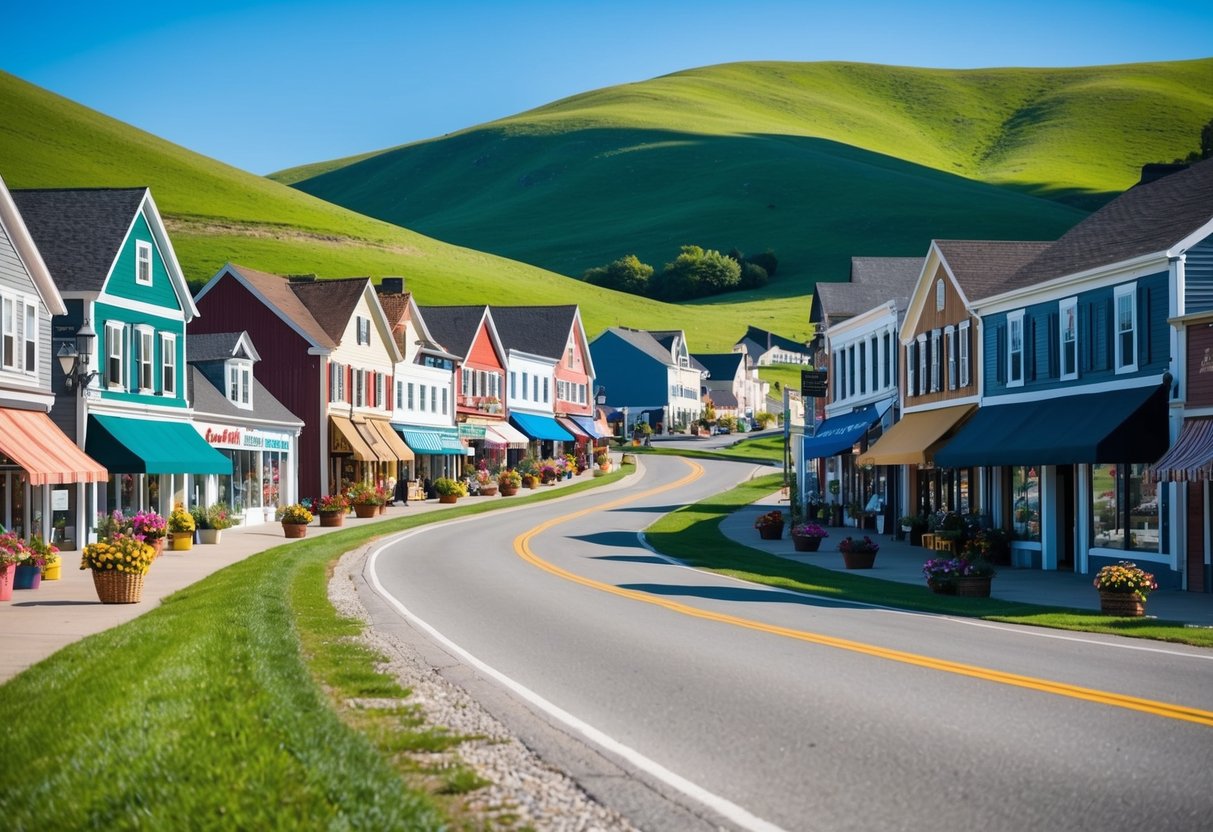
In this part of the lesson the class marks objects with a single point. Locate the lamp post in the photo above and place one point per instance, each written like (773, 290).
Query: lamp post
(74, 359)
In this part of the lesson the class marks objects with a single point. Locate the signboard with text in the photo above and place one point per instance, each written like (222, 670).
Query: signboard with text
(813, 384)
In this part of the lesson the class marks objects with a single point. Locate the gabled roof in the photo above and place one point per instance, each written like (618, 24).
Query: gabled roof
(332, 301)
(721, 365)
(537, 330)
(644, 342)
(1146, 219)
(984, 267)
(275, 292)
(668, 338)
(454, 327)
(220, 346)
(766, 340)
(208, 400)
(874, 280)
(722, 398)
(23, 243)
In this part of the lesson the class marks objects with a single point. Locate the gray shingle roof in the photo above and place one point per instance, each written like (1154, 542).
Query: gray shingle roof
(453, 327)
(538, 330)
(984, 267)
(216, 346)
(720, 365)
(207, 400)
(766, 340)
(645, 342)
(723, 398)
(874, 280)
(1143, 220)
(79, 231)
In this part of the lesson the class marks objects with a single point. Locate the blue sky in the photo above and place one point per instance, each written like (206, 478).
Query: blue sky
(268, 85)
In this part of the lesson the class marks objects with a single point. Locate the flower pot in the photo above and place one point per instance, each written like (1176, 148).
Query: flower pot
(294, 530)
(364, 511)
(859, 560)
(772, 532)
(974, 586)
(6, 582)
(210, 536)
(507, 490)
(27, 577)
(488, 491)
(382, 508)
(806, 543)
(53, 571)
(942, 586)
(1121, 603)
(182, 541)
(157, 544)
(448, 498)
(330, 519)
(114, 587)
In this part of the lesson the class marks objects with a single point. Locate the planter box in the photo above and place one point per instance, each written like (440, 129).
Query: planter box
(507, 490)
(448, 499)
(803, 543)
(365, 511)
(1121, 603)
(294, 530)
(181, 541)
(771, 532)
(973, 586)
(332, 518)
(27, 577)
(859, 560)
(210, 536)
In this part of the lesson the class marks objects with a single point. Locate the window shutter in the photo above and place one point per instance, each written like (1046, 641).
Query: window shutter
(1109, 356)
(1054, 345)
(1143, 327)
(1000, 354)
(349, 385)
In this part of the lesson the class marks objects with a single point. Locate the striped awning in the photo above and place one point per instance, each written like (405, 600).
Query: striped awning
(30, 439)
(579, 433)
(1191, 457)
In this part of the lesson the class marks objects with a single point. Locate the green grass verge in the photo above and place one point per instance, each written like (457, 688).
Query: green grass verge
(224, 707)
(766, 449)
(692, 534)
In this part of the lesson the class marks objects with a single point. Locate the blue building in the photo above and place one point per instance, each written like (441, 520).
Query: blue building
(651, 375)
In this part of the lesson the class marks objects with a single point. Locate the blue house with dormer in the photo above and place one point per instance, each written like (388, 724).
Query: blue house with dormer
(119, 378)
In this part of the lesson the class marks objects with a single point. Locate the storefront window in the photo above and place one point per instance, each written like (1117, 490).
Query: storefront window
(246, 479)
(271, 479)
(1025, 509)
(1124, 508)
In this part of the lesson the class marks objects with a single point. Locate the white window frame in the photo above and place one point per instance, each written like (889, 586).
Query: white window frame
(433, 398)
(964, 366)
(115, 350)
(168, 364)
(143, 256)
(923, 377)
(29, 354)
(546, 393)
(1128, 290)
(949, 340)
(444, 403)
(410, 402)
(399, 395)
(936, 361)
(1014, 322)
(146, 364)
(8, 333)
(1068, 305)
(940, 295)
(911, 373)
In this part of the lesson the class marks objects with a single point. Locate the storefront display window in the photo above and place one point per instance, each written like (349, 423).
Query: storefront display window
(1025, 508)
(1124, 508)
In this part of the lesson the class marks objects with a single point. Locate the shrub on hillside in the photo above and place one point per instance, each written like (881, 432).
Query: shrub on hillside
(697, 272)
(753, 276)
(627, 274)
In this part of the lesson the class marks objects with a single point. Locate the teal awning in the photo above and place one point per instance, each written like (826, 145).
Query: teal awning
(432, 440)
(1115, 426)
(145, 446)
(540, 427)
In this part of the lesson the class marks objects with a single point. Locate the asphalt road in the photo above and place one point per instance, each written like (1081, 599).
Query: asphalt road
(713, 702)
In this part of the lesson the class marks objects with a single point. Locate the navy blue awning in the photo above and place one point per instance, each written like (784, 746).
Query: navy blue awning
(839, 433)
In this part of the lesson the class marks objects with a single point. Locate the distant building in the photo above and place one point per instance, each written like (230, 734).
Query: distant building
(650, 374)
(765, 348)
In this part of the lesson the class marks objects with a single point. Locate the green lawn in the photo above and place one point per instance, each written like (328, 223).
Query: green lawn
(692, 534)
(763, 449)
(221, 708)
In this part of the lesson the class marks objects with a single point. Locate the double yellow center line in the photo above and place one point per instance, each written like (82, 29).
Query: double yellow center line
(522, 546)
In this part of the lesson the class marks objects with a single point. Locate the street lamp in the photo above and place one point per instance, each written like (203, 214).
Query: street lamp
(74, 359)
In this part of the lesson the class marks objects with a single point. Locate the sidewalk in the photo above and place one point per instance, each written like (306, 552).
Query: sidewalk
(38, 622)
(901, 562)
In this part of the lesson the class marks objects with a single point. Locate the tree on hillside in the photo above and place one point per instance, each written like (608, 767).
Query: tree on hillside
(752, 276)
(1206, 141)
(627, 274)
(696, 272)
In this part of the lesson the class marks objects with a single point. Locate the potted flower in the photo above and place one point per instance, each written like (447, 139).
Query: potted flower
(529, 480)
(941, 574)
(449, 490)
(118, 565)
(152, 527)
(770, 525)
(488, 485)
(181, 526)
(8, 570)
(806, 537)
(858, 553)
(382, 495)
(364, 499)
(603, 460)
(27, 565)
(508, 482)
(294, 518)
(1123, 589)
(49, 552)
(217, 518)
(332, 509)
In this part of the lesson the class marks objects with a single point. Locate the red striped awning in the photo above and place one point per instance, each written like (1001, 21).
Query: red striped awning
(572, 427)
(1191, 457)
(30, 439)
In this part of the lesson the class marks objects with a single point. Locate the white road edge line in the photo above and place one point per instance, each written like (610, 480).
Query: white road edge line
(715, 802)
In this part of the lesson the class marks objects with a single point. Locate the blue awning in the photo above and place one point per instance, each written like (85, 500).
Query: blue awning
(540, 427)
(838, 434)
(587, 424)
(146, 446)
(432, 440)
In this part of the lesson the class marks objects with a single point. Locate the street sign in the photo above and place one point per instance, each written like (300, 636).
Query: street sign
(813, 384)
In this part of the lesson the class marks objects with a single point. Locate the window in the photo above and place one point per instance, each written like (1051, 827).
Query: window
(360, 388)
(535, 388)
(434, 398)
(963, 358)
(545, 390)
(863, 367)
(526, 382)
(939, 295)
(1126, 328)
(336, 382)
(466, 382)
(410, 401)
(923, 378)
(950, 341)
(115, 336)
(936, 362)
(443, 401)
(168, 363)
(9, 324)
(1069, 338)
(851, 370)
(569, 362)
(911, 369)
(1025, 510)
(31, 338)
(240, 383)
(145, 359)
(874, 352)
(840, 377)
(363, 326)
(1124, 508)
(143, 263)
(1015, 349)
(513, 384)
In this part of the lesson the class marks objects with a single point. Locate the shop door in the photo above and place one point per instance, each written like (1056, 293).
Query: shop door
(1065, 495)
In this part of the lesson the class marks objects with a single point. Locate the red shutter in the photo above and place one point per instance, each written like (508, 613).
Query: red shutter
(349, 385)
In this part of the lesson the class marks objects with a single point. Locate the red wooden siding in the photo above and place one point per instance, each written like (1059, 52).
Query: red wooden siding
(1200, 366)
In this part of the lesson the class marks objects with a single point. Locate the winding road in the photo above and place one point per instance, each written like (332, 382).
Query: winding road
(688, 700)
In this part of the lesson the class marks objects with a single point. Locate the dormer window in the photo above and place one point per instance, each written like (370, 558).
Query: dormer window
(143, 263)
(240, 383)
(364, 329)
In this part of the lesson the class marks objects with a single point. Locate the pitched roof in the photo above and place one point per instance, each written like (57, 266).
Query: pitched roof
(1143, 220)
(538, 330)
(207, 400)
(874, 280)
(216, 346)
(277, 292)
(332, 302)
(723, 398)
(720, 365)
(984, 267)
(644, 342)
(454, 327)
(766, 340)
(79, 230)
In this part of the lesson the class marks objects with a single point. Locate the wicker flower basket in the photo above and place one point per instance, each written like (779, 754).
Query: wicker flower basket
(114, 587)
(1121, 603)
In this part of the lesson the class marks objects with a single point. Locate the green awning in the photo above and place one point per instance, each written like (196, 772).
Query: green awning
(432, 440)
(146, 446)
(1114, 426)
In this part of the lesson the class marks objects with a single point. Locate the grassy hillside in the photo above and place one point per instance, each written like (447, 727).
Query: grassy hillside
(218, 213)
(816, 161)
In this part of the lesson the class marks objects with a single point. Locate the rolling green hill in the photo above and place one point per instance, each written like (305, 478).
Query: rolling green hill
(818, 162)
(217, 213)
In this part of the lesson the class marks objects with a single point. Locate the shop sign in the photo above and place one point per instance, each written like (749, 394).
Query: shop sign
(467, 431)
(246, 438)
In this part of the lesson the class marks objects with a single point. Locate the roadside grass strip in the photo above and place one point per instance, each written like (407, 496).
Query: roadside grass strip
(768, 449)
(241, 702)
(692, 535)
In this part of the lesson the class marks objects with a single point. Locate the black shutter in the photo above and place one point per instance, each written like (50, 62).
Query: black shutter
(1000, 354)
(1143, 328)
(1109, 361)
(1029, 349)
(1055, 345)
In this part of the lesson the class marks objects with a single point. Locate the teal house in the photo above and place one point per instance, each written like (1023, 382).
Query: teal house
(120, 352)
